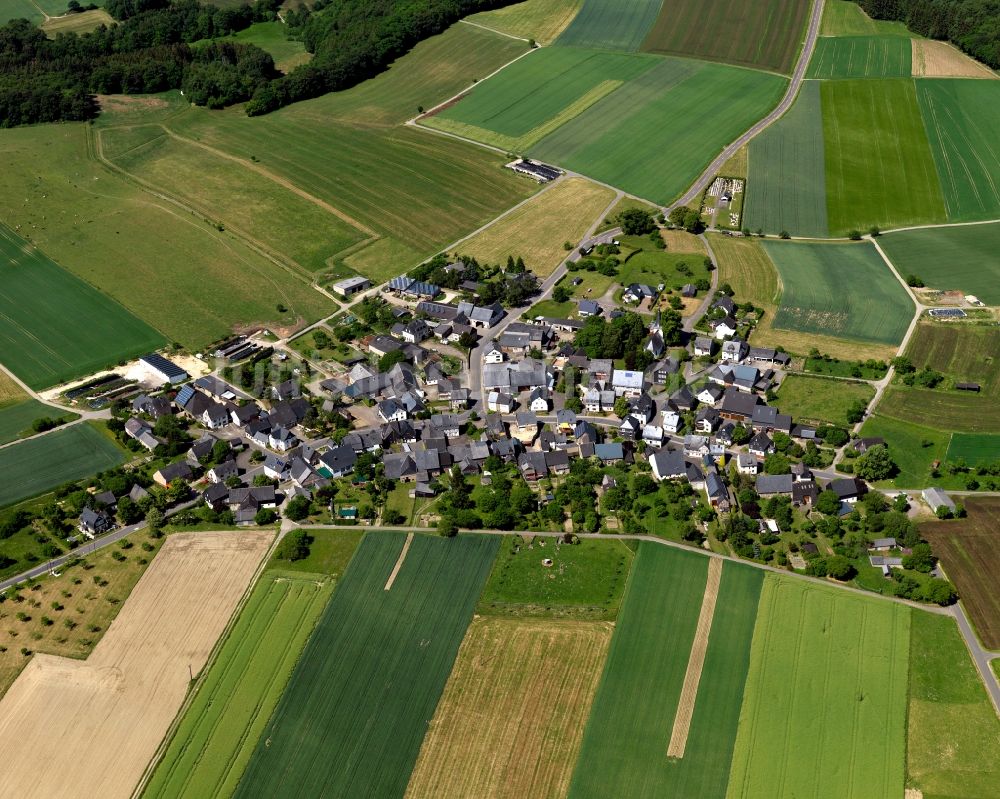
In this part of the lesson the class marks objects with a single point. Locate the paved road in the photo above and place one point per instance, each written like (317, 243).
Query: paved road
(786, 102)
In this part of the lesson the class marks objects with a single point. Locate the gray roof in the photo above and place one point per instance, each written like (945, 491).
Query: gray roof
(774, 484)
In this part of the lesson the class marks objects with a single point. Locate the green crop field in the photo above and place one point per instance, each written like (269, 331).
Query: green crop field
(16, 418)
(534, 96)
(821, 399)
(861, 57)
(825, 697)
(585, 580)
(639, 691)
(53, 326)
(843, 290)
(652, 136)
(786, 189)
(961, 117)
(541, 20)
(962, 257)
(958, 411)
(953, 741)
(845, 18)
(974, 448)
(611, 24)
(357, 705)
(765, 34)
(212, 744)
(33, 467)
(879, 166)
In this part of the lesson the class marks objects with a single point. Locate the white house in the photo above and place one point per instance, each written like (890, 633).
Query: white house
(492, 353)
(747, 464)
(671, 421)
(539, 400)
(724, 329)
(627, 383)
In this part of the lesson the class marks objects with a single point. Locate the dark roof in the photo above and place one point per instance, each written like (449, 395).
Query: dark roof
(736, 402)
(173, 372)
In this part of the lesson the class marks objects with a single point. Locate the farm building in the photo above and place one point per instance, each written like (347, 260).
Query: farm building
(947, 313)
(163, 370)
(968, 387)
(351, 285)
(414, 288)
(936, 499)
(543, 173)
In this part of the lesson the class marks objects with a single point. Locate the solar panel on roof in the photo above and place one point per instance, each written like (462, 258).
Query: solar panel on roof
(400, 283)
(947, 313)
(184, 395)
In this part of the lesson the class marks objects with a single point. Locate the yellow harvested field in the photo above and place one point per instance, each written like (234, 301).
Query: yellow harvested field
(682, 241)
(10, 391)
(744, 265)
(537, 229)
(511, 718)
(83, 22)
(89, 728)
(541, 20)
(935, 59)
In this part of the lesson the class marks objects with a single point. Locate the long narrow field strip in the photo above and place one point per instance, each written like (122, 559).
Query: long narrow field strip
(861, 57)
(692, 677)
(40, 340)
(536, 231)
(786, 189)
(510, 721)
(937, 59)
(841, 290)
(399, 561)
(643, 680)
(879, 166)
(213, 742)
(611, 24)
(655, 134)
(88, 728)
(825, 698)
(357, 705)
(948, 258)
(541, 20)
(942, 409)
(766, 34)
(961, 117)
(29, 468)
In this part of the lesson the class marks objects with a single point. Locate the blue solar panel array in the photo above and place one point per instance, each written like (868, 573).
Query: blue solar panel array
(184, 395)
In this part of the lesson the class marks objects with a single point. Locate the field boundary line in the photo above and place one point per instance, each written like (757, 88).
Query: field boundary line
(699, 648)
(399, 561)
(494, 30)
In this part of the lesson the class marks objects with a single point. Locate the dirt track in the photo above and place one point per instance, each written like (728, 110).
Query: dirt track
(88, 728)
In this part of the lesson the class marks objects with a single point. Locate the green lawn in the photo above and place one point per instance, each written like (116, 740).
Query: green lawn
(16, 418)
(861, 57)
(654, 266)
(33, 467)
(558, 310)
(585, 580)
(786, 189)
(953, 742)
(825, 697)
(53, 326)
(329, 553)
(879, 166)
(962, 258)
(372, 672)
(819, 399)
(841, 290)
(212, 744)
(611, 24)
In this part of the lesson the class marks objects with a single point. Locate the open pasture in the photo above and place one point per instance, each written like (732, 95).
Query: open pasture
(652, 136)
(861, 57)
(43, 343)
(536, 231)
(949, 258)
(817, 648)
(536, 95)
(937, 59)
(845, 18)
(88, 728)
(271, 37)
(611, 24)
(212, 743)
(786, 189)
(879, 166)
(961, 117)
(943, 409)
(166, 266)
(953, 739)
(913, 448)
(511, 718)
(641, 690)
(765, 34)
(970, 556)
(654, 266)
(841, 290)
(336, 730)
(541, 20)
(821, 399)
(32, 467)
(82, 22)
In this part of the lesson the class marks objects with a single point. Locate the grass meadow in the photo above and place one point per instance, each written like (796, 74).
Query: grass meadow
(957, 411)
(845, 18)
(861, 57)
(541, 20)
(53, 326)
(828, 680)
(768, 37)
(33, 10)
(953, 740)
(914, 448)
(82, 22)
(537, 230)
(786, 189)
(611, 24)
(974, 448)
(271, 38)
(841, 290)
(879, 166)
(406, 638)
(961, 117)
(962, 258)
(33, 467)
(652, 136)
(16, 418)
(821, 399)
(210, 747)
